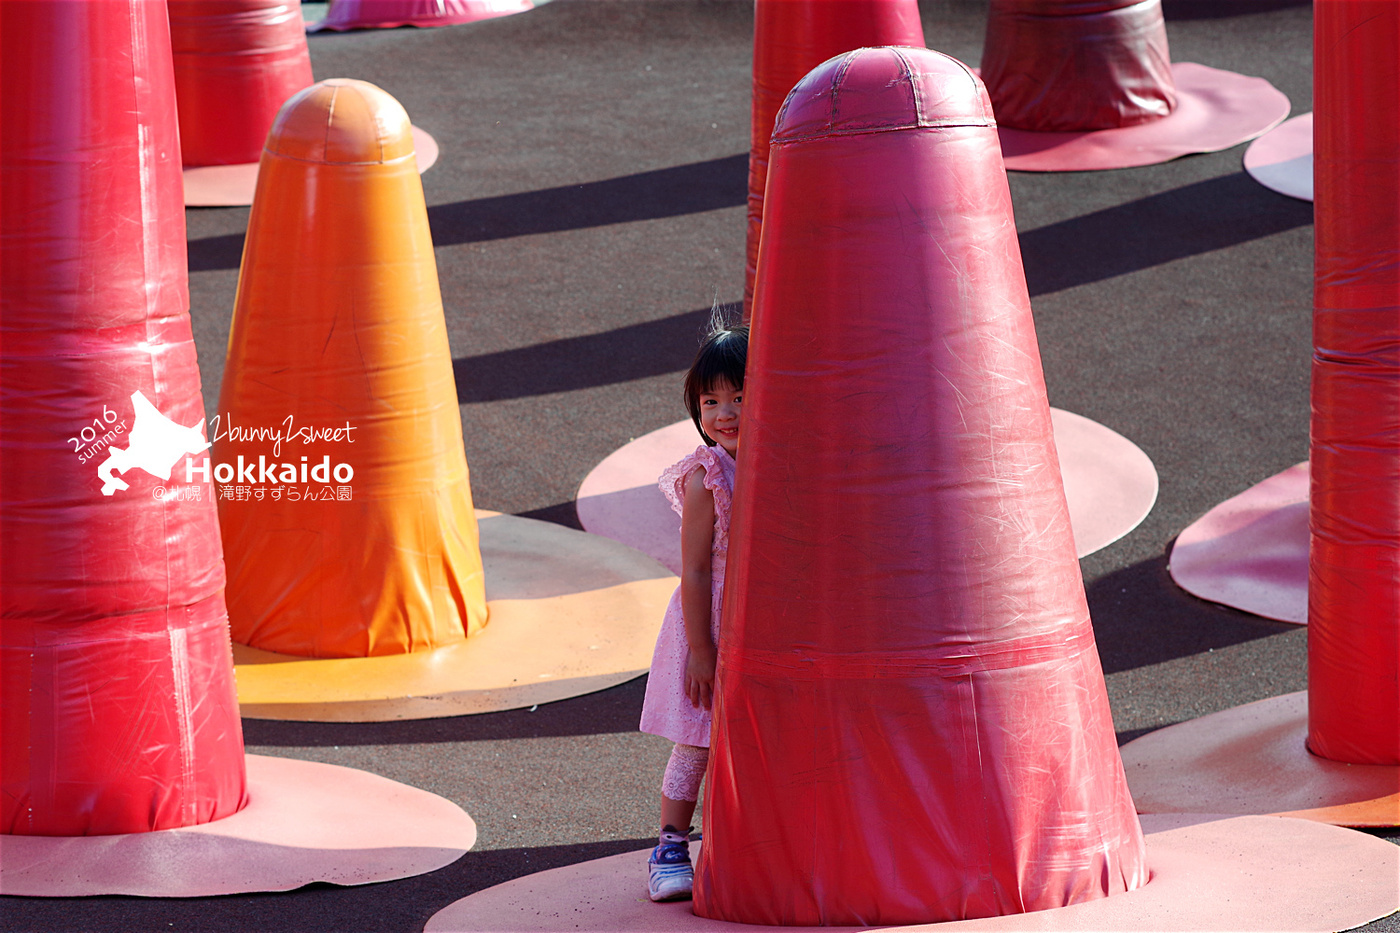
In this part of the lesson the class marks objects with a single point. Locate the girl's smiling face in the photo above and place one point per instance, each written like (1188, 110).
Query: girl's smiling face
(720, 408)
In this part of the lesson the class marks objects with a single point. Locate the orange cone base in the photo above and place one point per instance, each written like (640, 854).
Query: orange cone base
(1282, 159)
(1252, 759)
(305, 822)
(1241, 873)
(233, 185)
(1110, 483)
(569, 613)
(1250, 552)
(1215, 110)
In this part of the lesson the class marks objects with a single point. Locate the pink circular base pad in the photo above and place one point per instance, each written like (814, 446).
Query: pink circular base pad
(1241, 873)
(389, 14)
(304, 822)
(1215, 110)
(1282, 159)
(1251, 552)
(233, 185)
(1110, 483)
(1253, 759)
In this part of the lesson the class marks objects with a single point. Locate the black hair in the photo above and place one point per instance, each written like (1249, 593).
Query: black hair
(720, 359)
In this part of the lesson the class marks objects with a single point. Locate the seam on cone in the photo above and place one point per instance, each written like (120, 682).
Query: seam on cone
(869, 130)
(330, 116)
(290, 158)
(908, 70)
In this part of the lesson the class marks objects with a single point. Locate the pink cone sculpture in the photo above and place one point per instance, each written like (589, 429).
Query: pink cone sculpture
(236, 62)
(386, 14)
(911, 723)
(1354, 560)
(1066, 65)
(116, 676)
(790, 38)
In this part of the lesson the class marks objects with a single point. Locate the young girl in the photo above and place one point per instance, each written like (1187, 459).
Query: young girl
(677, 704)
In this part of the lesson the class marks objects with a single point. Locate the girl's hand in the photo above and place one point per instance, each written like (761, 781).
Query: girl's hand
(700, 676)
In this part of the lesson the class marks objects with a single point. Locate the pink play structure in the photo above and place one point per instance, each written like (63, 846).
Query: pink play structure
(906, 661)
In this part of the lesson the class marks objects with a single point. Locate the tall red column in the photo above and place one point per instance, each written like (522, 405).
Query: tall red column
(1074, 65)
(117, 706)
(790, 38)
(911, 723)
(236, 63)
(1354, 559)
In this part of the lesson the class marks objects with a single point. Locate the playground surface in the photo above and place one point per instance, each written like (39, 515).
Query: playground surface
(588, 206)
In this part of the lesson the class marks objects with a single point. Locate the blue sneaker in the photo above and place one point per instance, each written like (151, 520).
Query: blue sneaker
(669, 872)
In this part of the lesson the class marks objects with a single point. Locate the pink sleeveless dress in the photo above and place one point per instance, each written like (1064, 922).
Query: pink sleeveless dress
(666, 711)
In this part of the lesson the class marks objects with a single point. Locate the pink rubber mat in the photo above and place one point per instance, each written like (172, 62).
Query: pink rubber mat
(1215, 110)
(1282, 159)
(233, 185)
(1253, 759)
(1251, 552)
(388, 14)
(1110, 483)
(1239, 873)
(304, 822)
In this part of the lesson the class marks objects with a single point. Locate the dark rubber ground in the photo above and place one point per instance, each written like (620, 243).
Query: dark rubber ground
(588, 206)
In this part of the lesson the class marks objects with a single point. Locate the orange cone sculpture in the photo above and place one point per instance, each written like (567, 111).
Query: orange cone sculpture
(1354, 517)
(346, 511)
(790, 38)
(911, 723)
(117, 708)
(1063, 65)
(236, 63)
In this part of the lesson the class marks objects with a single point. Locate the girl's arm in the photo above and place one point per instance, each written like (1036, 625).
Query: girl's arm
(697, 538)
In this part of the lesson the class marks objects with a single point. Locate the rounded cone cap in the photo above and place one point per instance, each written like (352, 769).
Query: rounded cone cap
(870, 90)
(341, 121)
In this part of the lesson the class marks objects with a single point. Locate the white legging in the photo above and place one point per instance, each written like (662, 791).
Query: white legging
(684, 772)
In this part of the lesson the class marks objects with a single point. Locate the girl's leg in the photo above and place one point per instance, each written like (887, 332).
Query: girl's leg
(676, 814)
(669, 872)
(680, 786)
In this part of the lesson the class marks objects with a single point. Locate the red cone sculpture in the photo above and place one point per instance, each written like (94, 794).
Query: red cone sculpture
(790, 38)
(1354, 557)
(1067, 65)
(911, 723)
(236, 62)
(116, 681)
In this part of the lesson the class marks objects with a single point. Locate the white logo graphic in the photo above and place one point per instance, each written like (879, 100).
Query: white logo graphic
(157, 443)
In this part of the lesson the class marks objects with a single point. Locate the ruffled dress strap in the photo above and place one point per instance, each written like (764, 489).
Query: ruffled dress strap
(719, 479)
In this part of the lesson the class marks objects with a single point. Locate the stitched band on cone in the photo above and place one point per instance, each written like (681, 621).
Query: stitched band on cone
(236, 63)
(790, 38)
(1354, 562)
(116, 683)
(1074, 65)
(898, 511)
(338, 327)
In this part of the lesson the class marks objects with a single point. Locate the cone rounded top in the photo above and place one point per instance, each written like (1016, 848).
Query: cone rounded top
(887, 88)
(341, 121)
